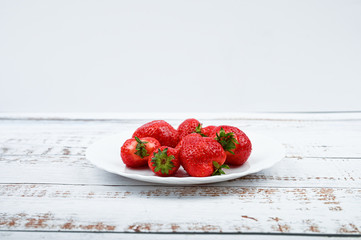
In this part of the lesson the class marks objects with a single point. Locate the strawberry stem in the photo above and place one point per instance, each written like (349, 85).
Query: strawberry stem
(227, 140)
(218, 168)
(161, 161)
(199, 130)
(141, 150)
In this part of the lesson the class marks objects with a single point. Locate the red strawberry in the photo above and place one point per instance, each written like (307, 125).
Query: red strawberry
(235, 142)
(207, 131)
(189, 126)
(202, 157)
(160, 130)
(179, 145)
(135, 152)
(164, 161)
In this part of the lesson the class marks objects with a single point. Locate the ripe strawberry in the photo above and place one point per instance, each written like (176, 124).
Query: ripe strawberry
(179, 145)
(135, 152)
(207, 131)
(160, 130)
(235, 142)
(202, 157)
(164, 161)
(189, 126)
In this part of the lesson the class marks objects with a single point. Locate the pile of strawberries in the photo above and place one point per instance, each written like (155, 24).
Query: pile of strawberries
(201, 151)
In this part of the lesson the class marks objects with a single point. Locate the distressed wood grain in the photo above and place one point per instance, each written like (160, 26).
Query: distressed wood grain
(299, 116)
(301, 139)
(119, 236)
(180, 209)
(46, 184)
(290, 172)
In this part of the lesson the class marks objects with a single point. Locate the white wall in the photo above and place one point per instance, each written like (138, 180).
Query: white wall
(173, 56)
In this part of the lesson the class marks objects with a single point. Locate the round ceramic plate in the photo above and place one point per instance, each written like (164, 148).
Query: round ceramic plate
(105, 154)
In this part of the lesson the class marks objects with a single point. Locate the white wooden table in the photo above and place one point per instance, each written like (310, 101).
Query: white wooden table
(49, 190)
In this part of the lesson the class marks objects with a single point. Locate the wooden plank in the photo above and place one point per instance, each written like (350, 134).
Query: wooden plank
(26, 148)
(315, 190)
(301, 139)
(119, 236)
(290, 172)
(180, 209)
(320, 116)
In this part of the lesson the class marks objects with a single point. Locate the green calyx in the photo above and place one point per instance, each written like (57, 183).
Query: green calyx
(227, 140)
(199, 130)
(161, 161)
(218, 168)
(141, 150)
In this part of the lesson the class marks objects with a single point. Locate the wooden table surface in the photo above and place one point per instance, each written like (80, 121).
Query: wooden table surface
(49, 190)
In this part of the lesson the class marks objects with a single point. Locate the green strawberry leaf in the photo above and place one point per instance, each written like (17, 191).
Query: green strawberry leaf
(199, 130)
(162, 162)
(141, 150)
(218, 169)
(227, 140)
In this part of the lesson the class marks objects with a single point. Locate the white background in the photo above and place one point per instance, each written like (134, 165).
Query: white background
(176, 56)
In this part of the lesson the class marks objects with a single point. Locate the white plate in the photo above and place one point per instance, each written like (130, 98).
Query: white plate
(105, 154)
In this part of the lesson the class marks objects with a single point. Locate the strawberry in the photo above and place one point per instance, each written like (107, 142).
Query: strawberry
(189, 126)
(160, 130)
(235, 142)
(164, 161)
(135, 152)
(202, 156)
(192, 125)
(207, 131)
(179, 145)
